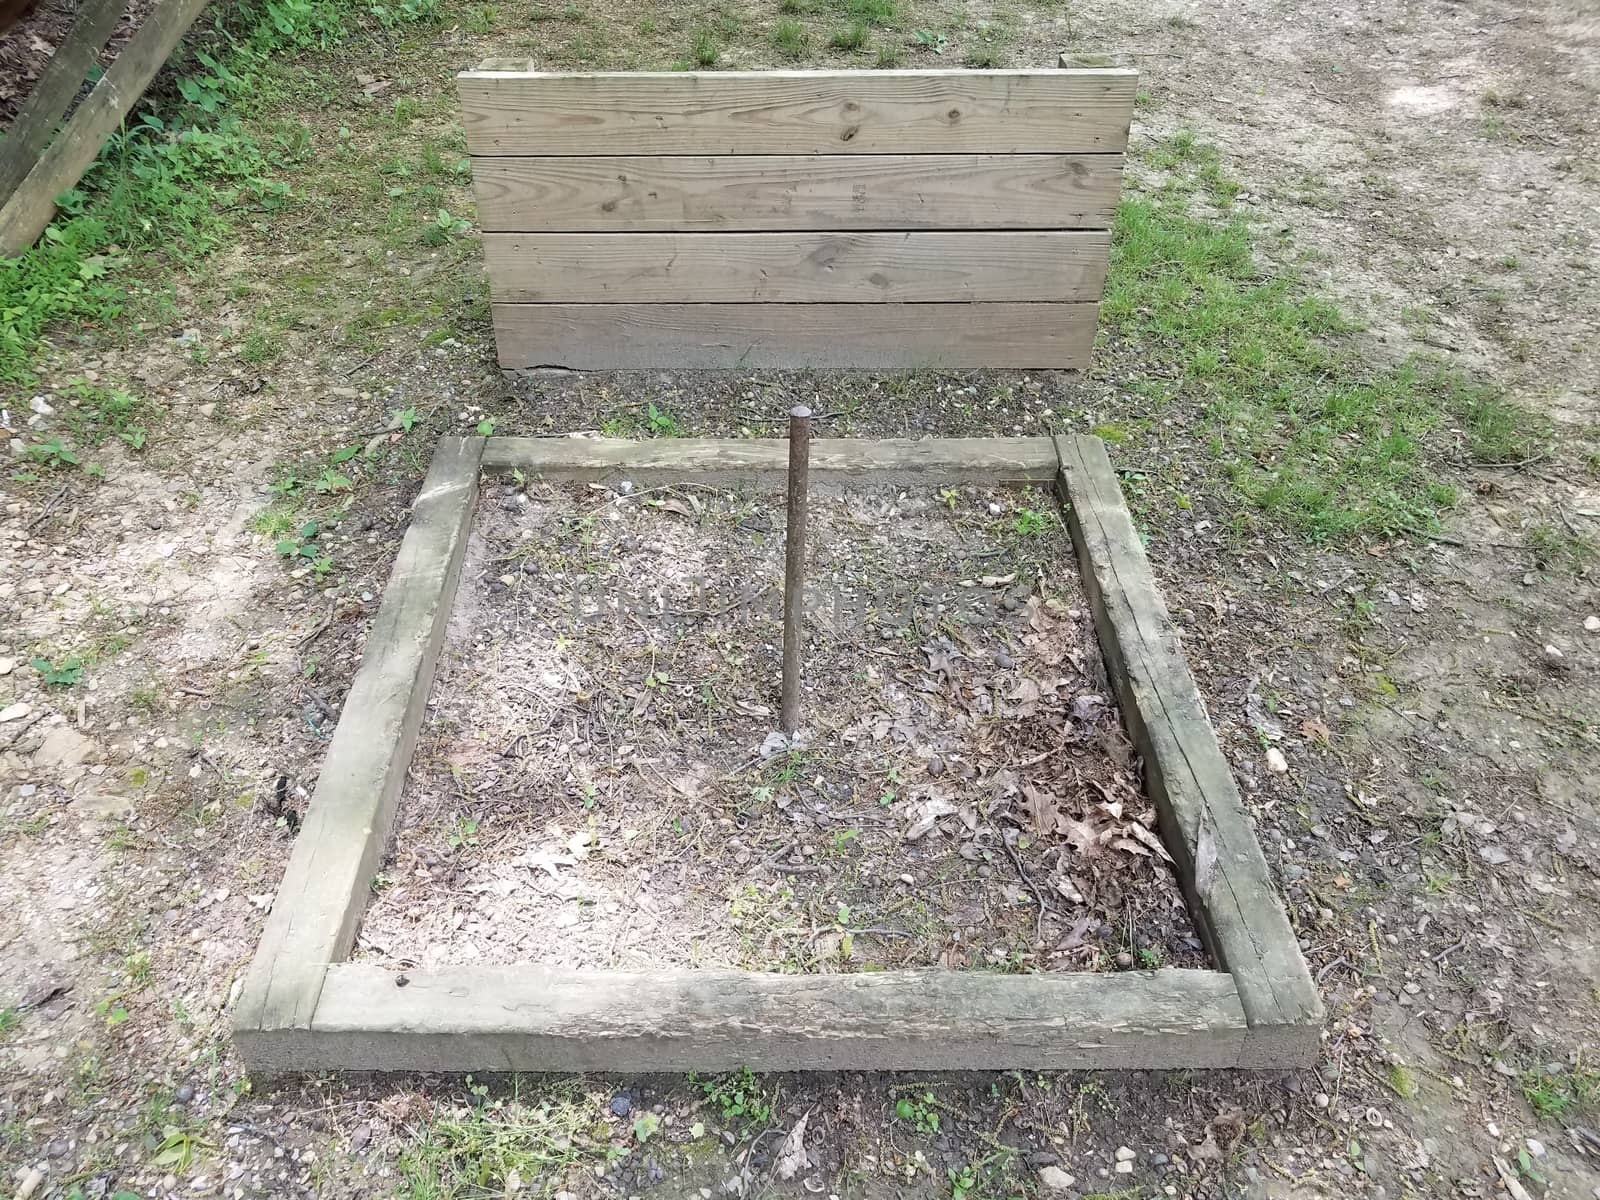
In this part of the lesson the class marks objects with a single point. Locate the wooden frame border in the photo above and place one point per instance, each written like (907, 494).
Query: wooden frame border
(303, 1008)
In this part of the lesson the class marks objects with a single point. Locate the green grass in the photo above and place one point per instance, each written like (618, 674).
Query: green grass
(791, 39)
(704, 50)
(851, 37)
(1553, 1097)
(1305, 425)
(169, 186)
(870, 12)
(477, 1148)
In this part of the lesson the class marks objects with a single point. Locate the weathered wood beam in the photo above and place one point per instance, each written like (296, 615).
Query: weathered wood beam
(53, 91)
(763, 461)
(33, 204)
(546, 1019)
(340, 844)
(1203, 819)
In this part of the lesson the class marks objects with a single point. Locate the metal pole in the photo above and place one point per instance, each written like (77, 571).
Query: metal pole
(794, 563)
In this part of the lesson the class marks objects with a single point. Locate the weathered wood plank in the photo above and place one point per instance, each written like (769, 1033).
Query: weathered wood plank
(842, 268)
(53, 91)
(798, 112)
(765, 461)
(1203, 818)
(635, 193)
(737, 336)
(325, 885)
(537, 1019)
(33, 204)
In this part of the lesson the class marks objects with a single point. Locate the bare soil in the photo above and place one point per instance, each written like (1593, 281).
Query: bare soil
(601, 784)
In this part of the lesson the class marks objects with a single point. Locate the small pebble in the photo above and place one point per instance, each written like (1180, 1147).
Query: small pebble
(621, 1105)
(184, 1094)
(1124, 960)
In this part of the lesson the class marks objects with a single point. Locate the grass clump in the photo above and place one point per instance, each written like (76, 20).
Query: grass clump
(870, 12)
(1308, 430)
(851, 37)
(791, 39)
(1554, 1095)
(704, 51)
(492, 1147)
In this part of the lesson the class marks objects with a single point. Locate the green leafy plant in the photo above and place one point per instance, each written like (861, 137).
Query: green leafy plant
(919, 1111)
(463, 833)
(58, 674)
(929, 40)
(444, 228)
(53, 454)
(486, 427)
(1029, 523)
(737, 1095)
(302, 545)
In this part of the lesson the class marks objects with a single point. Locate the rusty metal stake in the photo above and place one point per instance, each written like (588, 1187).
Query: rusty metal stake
(794, 564)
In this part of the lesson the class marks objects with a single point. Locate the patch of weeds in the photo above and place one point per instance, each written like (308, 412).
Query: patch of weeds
(482, 1148)
(96, 413)
(919, 1111)
(1551, 546)
(168, 185)
(1553, 1095)
(261, 346)
(871, 12)
(738, 1096)
(480, 18)
(851, 37)
(1030, 523)
(704, 51)
(53, 454)
(930, 40)
(463, 833)
(791, 39)
(1306, 428)
(64, 673)
(300, 544)
(888, 58)
(1501, 432)
(987, 54)
(10, 1019)
(444, 228)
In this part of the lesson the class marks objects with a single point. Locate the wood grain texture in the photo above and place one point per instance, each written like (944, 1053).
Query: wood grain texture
(737, 336)
(642, 194)
(798, 112)
(764, 461)
(537, 1019)
(340, 844)
(1203, 819)
(842, 268)
(53, 91)
(29, 209)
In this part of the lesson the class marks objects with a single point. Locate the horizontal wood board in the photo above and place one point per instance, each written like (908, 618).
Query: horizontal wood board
(676, 199)
(591, 337)
(615, 193)
(547, 1019)
(813, 268)
(798, 112)
(764, 462)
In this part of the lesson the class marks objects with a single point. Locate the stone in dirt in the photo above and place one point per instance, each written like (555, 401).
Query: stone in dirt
(15, 712)
(1054, 1179)
(64, 746)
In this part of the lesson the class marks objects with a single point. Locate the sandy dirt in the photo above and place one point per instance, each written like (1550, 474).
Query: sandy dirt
(600, 784)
